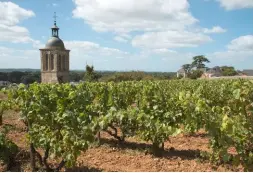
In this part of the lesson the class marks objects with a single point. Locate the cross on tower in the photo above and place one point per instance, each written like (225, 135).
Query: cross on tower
(55, 18)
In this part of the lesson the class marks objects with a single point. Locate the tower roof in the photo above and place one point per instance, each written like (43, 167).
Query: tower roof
(55, 42)
(55, 27)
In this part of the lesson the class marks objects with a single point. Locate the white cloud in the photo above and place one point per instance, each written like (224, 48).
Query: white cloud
(243, 43)
(92, 48)
(232, 55)
(83, 45)
(159, 60)
(81, 52)
(37, 44)
(130, 15)
(15, 58)
(236, 4)
(215, 29)
(239, 59)
(104, 58)
(10, 15)
(5, 50)
(155, 23)
(123, 38)
(239, 51)
(160, 25)
(14, 34)
(170, 39)
(120, 39)
(84, 51)
(163, 51)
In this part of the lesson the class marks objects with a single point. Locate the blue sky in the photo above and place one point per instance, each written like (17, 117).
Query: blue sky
(149, 35)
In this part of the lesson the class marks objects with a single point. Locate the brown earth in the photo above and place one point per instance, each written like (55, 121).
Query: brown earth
(181, 154)
(2, 96)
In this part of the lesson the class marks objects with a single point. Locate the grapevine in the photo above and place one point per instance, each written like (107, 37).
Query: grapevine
(63, 120)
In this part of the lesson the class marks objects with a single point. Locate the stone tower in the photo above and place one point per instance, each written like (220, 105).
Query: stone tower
(54, 59)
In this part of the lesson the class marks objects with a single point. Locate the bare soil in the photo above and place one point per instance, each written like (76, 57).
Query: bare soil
(3, 96)
(181, 154)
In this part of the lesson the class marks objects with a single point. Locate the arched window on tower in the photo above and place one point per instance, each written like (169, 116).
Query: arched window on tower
(46, 63)
(66, 63)
(59, 63)
(63, 62)
(52, 62)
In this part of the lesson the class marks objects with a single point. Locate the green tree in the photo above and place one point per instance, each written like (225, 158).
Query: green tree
(76, 76)
(195, 74)
(3, 76)
(228, 71)
(30, 77)
(90, 74)
(198, 61)
(187, 68)
(15, 76)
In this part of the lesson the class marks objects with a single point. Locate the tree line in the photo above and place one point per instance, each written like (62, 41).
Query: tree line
(193, 71)
(91, 75)
(20, 77)
(28, 77)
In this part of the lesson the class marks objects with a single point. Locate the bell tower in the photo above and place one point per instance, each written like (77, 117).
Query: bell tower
(54, 59)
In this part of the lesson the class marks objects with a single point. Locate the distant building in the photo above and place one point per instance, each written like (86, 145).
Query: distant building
(247, 72)
(213, 72)
(54, 59)
(202, 69)
(181, 72)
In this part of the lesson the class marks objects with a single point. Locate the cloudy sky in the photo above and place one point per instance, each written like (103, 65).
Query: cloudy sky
(150, 35)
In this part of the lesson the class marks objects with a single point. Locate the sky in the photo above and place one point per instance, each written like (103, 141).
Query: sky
(124, 35)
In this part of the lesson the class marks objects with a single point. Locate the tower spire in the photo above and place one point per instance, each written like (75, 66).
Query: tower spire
(55, 29)
(55, 18)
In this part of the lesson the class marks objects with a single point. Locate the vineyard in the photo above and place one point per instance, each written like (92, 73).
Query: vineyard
(63, 120)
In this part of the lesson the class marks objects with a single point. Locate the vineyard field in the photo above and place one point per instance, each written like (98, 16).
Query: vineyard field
(129, 157)
(176, 125)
